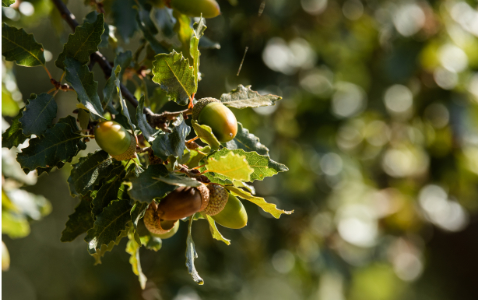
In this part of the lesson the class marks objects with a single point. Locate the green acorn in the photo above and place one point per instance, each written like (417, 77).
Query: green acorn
(211, 112)
(116, 140)
(206, 8)
(233, 215)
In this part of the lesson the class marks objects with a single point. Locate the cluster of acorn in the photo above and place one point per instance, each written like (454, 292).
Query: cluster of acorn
(212, 199)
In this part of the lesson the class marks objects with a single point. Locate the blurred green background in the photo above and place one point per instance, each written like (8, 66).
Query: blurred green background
(377, 125)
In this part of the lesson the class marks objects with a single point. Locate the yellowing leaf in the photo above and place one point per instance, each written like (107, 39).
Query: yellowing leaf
(215, 233)
(232, 165)
(267, 207)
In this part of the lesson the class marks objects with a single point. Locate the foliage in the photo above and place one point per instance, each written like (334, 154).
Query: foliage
(114, 195)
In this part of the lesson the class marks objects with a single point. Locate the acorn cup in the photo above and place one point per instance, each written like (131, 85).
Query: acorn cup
(206, 8)
(116, 140)
(211, 112)
(182, 203)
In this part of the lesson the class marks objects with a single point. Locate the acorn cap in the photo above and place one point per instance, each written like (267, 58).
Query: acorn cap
(129, 153)
(218, 196)
(200, 105)
(204, 196)
(152, 220)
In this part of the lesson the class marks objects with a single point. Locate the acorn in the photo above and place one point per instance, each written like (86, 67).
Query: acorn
(112, 137)
(172, 231)
(206, 8)
(184, 202)
(233, 215)
(211, 112)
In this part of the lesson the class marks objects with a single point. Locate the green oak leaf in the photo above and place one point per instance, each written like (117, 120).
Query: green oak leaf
(38, 115)
(199, 29)
(146, 188)
(89, 171)
(143, 124)
(262, 164)
(13, 136)
(149, 30)
(83, 118)
(7, 3)
(58, 145)
(101, 251)
(124, 18)
(184, 31)
(108, 225)
(246, 141)
(122, 61)
(79, 221)
(173, 73)
(232, 165)
(104, 36)
(20, 47)
(84, 41)
(166, 144)
(191, 254)
(132, 247)
(214, 231)
(137, 212)
(267, 207)
(81, 80)
(110, 190)
(243, 97)
(248, 187)
(179, 180)
(204, 132)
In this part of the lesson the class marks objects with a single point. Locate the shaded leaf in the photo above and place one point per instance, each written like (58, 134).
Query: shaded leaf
(191, 254)
(58, 145)
(214, 231)
(173, 73)
(101, 251)
(123, 61)
(171, 144)
(110, 190)
(104, 36)
(143, 124)
(146, 188)
(132, 247)
(89, 171)
(137, 212)
(179, 180)
(81, 79)
(204, 132)
(20, 47)
(246, 141)
(232, 165)
(84, 41)
(79, 221)
(149, 30)
(267, 207)
(243, 97)
(13, 136)
(108, 225)
(38, 115)
(124, 18)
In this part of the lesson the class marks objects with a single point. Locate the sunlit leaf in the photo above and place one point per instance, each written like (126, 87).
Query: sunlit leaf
(204, 132)
(173, 73)
(214, 231)
(132, 247)
(183, 30)
(233, 166)
(199, 29)
(261, 202)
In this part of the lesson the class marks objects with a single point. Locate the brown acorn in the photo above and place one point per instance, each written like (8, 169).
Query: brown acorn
(218, 196)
